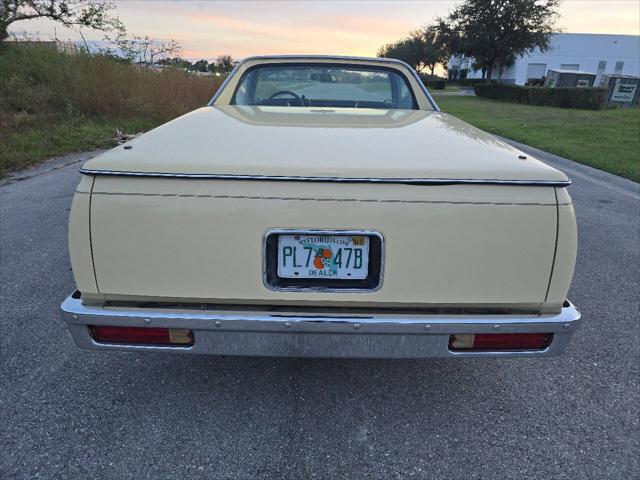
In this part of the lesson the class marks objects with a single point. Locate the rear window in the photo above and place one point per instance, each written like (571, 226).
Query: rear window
(324, 86)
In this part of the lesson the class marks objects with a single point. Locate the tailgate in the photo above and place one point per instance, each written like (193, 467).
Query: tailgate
(202, 240)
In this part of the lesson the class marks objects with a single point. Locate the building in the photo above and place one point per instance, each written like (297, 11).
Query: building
(588, 52)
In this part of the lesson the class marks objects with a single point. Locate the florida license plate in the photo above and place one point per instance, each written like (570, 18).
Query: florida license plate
(339, 257)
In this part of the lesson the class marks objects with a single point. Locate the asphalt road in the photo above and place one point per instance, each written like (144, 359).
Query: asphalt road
(72, 414)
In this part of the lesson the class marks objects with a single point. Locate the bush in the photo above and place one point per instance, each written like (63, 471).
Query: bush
(39, 80)
(468, 81)
(433, 82)
(52, 103)
(535, 82)
(585, 98)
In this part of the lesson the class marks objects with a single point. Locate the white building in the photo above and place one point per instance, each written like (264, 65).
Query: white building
(589, 52)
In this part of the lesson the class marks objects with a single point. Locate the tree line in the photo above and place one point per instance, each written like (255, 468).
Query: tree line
(491, 32)
(99, 15)
(222, 65)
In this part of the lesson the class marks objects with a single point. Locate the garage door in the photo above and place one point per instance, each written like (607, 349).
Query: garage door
(536, 70)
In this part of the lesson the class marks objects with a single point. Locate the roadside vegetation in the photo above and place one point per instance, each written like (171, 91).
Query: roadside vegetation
(606, 139)
(53, 103)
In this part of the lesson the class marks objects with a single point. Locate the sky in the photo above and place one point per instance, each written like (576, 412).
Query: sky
(241, 28)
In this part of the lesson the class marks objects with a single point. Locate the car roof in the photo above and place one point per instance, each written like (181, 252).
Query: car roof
(340, 58)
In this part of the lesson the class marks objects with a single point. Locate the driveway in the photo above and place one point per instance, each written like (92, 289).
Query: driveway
(72, 414)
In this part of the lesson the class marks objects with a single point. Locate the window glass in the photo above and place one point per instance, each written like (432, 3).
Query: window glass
(324, 86)
(619, 67)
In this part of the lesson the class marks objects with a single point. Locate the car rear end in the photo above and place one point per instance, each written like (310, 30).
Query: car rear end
(452, 270)
(322, 207)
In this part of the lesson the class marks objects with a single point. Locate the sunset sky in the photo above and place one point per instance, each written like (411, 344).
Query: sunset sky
(207, 29)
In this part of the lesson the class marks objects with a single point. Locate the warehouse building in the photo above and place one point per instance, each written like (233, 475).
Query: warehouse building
(587, 52)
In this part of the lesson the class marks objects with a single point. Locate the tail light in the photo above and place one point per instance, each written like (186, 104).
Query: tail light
(141, 335)
(500, 341)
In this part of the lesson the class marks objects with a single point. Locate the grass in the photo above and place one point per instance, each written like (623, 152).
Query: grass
(605, 139)
(33, 138)
(53, 103)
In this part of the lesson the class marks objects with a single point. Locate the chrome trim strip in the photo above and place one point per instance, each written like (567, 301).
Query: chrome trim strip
(288, 178)
(394, 335)
(336, 58)
(287, 231)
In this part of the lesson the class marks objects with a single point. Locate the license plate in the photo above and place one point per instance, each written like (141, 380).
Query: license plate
(337, 257)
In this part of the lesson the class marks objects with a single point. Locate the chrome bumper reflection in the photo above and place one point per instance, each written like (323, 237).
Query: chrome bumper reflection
(250, 333)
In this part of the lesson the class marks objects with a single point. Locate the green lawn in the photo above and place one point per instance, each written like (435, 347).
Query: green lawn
(606, 139)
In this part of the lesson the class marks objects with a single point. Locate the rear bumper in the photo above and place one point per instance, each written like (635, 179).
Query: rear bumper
(254, 333)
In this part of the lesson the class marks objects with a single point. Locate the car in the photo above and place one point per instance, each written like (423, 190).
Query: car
(322, 207)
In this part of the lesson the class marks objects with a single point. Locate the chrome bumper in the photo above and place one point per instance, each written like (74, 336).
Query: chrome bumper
(307, 335)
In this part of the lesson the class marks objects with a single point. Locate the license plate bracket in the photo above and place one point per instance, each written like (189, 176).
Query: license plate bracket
(358, 267)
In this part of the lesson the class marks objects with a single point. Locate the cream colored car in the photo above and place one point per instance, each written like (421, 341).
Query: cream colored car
(322, 206)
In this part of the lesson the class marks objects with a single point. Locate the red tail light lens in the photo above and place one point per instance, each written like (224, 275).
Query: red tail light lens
(141, 335)
(500, 341)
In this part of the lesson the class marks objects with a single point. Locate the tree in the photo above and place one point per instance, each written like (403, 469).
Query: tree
(434, 50)
(496, 32)
(407, 49)
(175, 62)
(95, 14)
(200, 66)
(144, 51)
(224, 64)
(421, 49)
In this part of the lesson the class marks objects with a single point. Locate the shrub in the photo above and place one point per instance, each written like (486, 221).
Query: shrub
(535, 82)
(433, 82)
(39, 80)
(585, 98)
(468, 81)
(53, 103)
